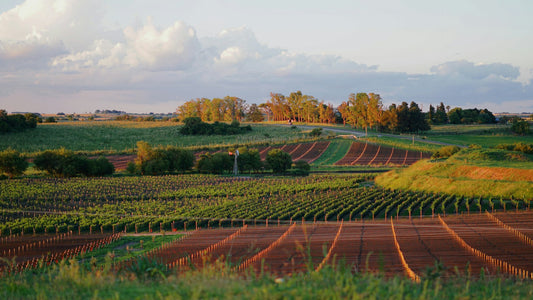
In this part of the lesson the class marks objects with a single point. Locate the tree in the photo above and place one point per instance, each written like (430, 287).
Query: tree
(278, 160)
(520, 127)
(217, 163)
(389, 121)
(431, 115)
(249, 160)
(365, 110)
(12, 163)
(254, 114)
(65, 163)
(417, 121)
(455, 115)
(440, 115)
(403, 117)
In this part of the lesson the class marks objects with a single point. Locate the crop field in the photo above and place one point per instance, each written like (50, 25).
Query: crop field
(122, 136)
(495, 243)
(491, 244)
(178, 202)
(371, 154)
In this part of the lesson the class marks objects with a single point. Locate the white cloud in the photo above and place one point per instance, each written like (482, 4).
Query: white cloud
(172, 48)
(476, 71)
(57, 49)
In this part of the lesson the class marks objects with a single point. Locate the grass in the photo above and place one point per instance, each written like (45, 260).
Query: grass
(335, 151)
(70, 281)
(121, 137)
(402, 143)
(127, 247)
(470, 172)
(487, 136)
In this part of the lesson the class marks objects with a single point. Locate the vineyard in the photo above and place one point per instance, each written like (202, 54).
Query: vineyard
(177, 202)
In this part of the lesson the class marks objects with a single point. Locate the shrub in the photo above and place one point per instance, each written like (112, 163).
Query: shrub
(100, 167)
(249, 160)
(445, 152)
(301, 168)
(17, 122)
(278, 160)
(12, 163)
(161, 160)
(520, 147)
(217, 163)
(316, 132)
(195, 126)
(520, 127)
(50, 120)
(65, 163)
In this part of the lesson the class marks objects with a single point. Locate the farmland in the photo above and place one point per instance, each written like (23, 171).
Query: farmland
(335, 224)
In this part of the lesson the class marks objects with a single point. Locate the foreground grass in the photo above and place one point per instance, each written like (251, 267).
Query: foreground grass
(121, 136)
(70, 281)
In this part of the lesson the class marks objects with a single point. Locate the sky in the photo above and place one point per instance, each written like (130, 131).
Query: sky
(77, 56)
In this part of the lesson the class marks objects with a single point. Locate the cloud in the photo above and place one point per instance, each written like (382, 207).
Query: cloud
(476, 71)
(34, 32)
(43, 57)
(172, 48)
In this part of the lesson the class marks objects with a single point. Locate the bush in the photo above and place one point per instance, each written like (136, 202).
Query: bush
(65, 163)
(100, 167)
(445, 152)
(520, 147)
(217, 163)
(50, 120)
(195, 126)
(278, 160)
(17, 122)
(520, 127)
(316, 132)
(12, 163)
(160, 160)
(249, 160)
(301, 168)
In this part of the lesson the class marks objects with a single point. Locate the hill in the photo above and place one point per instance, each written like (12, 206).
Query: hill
(470, 172)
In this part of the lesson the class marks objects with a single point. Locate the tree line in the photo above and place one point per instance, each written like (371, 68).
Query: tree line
(361, 110)
(17, 122)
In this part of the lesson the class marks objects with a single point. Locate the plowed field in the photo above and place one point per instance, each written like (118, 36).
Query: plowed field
(498, 243)
(370, 154)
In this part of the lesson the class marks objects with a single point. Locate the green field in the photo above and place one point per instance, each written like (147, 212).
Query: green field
(122, 136)
(484, 135)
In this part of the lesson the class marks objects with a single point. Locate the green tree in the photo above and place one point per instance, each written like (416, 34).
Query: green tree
(364, 110)
(254, 114)
(278, 160)
(417, 120)
(12, 163)
(389, 120)
(455, 115)
(520, 127)
(249, 160)
(440, 115)
(217, 163)
(431, 115)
